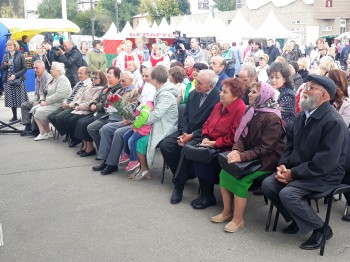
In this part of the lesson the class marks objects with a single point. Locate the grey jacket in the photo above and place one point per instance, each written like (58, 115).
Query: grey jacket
(163, 118)
(41, 84)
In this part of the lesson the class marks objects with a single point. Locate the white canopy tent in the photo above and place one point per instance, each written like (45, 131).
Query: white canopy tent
(112, 33)
(127, 30)
(272, 28)
(240, 28)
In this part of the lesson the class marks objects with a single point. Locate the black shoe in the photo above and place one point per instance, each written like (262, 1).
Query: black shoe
(66, 139)
(109, 170)
(13, 119)
(291, 229)
(26, 133)
(73, 143)
(91, 153)
(315, 240)
(204, 202)
(195, 200)
(176, 196)
(100, 167)
(80, 152)
(346, 218)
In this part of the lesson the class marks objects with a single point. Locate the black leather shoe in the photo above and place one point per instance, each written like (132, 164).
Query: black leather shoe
(346, 218)
(100, 167)
(80, 152)
(315, 240)
(26, 133)
(204, 202)
(291, 229)
(73, 143)
(195, 200)
(176, 196)
(13, 119)
(109, 170)
(91, 153)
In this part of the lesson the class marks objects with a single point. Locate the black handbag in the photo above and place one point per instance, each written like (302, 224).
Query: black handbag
(203, 154)
(16, 82)
(241, 169)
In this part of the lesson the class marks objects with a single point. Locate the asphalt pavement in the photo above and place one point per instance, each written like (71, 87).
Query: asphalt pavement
(53, 207)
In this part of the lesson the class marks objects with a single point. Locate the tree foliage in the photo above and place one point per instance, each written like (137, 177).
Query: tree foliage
(53, 9)
(101, 24)
(157, 9)
(225, 5)
(185, 7)
(126, 10)
(11, 9)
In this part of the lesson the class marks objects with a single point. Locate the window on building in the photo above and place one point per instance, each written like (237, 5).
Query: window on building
(298, 22)
(326, 28)
(203, 4)
(239, 3)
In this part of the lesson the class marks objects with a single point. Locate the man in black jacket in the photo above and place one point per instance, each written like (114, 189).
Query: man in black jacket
(198, 108)
(313, 161)
(72, 59)
(271, 50)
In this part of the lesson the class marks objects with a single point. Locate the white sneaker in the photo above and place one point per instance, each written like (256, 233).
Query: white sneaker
(41, 137)
(50, 134)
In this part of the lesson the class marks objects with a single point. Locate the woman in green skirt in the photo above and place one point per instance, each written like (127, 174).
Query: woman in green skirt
(260, 135)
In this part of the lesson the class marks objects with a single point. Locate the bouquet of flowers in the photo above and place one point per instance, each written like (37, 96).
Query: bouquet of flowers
(125, 109)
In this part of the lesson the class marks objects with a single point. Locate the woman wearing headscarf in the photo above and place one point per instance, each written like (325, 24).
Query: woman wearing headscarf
(260, 135)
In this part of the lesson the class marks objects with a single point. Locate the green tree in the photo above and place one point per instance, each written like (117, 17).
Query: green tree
(101, 25)
(53, 9)
(126, 10)
(11, 9)
(185, 7)
(225, 5)
(157, 9)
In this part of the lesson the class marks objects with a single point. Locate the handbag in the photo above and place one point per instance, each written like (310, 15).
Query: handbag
(15, 82)
(241, 169)
(199, 153)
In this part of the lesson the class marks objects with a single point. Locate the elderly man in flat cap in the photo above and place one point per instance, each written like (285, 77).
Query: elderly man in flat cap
(313, 161)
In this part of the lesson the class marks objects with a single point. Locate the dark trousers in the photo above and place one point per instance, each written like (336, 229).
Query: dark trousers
(175, 159)
(56, 118)
(69, 124)
(290, 202)
(27, 118)
(346, 180)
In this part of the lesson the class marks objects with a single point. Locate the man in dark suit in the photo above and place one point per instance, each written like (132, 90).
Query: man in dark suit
(218, 65)
(198, 108)
(272, 51)
(313, 161)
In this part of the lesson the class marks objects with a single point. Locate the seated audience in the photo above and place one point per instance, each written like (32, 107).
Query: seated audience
(95, 57)
(306, 166)
(198, 108)
(260, 135)
(192, 85)
(280, 80)
(297, 79)
(248, 76)
(176, 76)
(188, 66)
(341, 101)
(218, 131)
(218, 65)
(54, 93)
(139, 128)
(303, 64)
(41, 80)
(163, 119)
(56, 118)
(261, 70)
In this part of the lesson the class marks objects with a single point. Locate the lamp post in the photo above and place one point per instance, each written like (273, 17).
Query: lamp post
(117, 3)
(92, 20)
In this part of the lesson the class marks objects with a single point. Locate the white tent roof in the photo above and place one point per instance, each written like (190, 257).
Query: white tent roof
(127, 30)
(154, 28)
(240, 27)
(183, 25)
(256, 4)
(143, 27)
(164, 26)
(272, 27)
(112, 34)
(212, 27)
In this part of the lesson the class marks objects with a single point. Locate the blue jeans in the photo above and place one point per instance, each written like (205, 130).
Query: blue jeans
(130, 139)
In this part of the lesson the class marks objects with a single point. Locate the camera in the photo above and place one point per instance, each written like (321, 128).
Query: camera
(181, 40)
(57, 48)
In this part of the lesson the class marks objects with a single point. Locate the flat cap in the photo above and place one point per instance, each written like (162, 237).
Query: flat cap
(325, 82)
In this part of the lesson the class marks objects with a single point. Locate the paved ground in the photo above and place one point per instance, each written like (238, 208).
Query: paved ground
(54, 208)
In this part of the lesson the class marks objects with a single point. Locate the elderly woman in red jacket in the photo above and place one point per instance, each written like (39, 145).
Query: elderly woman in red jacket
(218, 131)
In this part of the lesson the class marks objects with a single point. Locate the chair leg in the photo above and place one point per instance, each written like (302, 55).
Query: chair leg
(163, 171)
(326, 223)
(346, 210)
(266, 200)
(269, 215)
(276, 220)
(317, 206)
